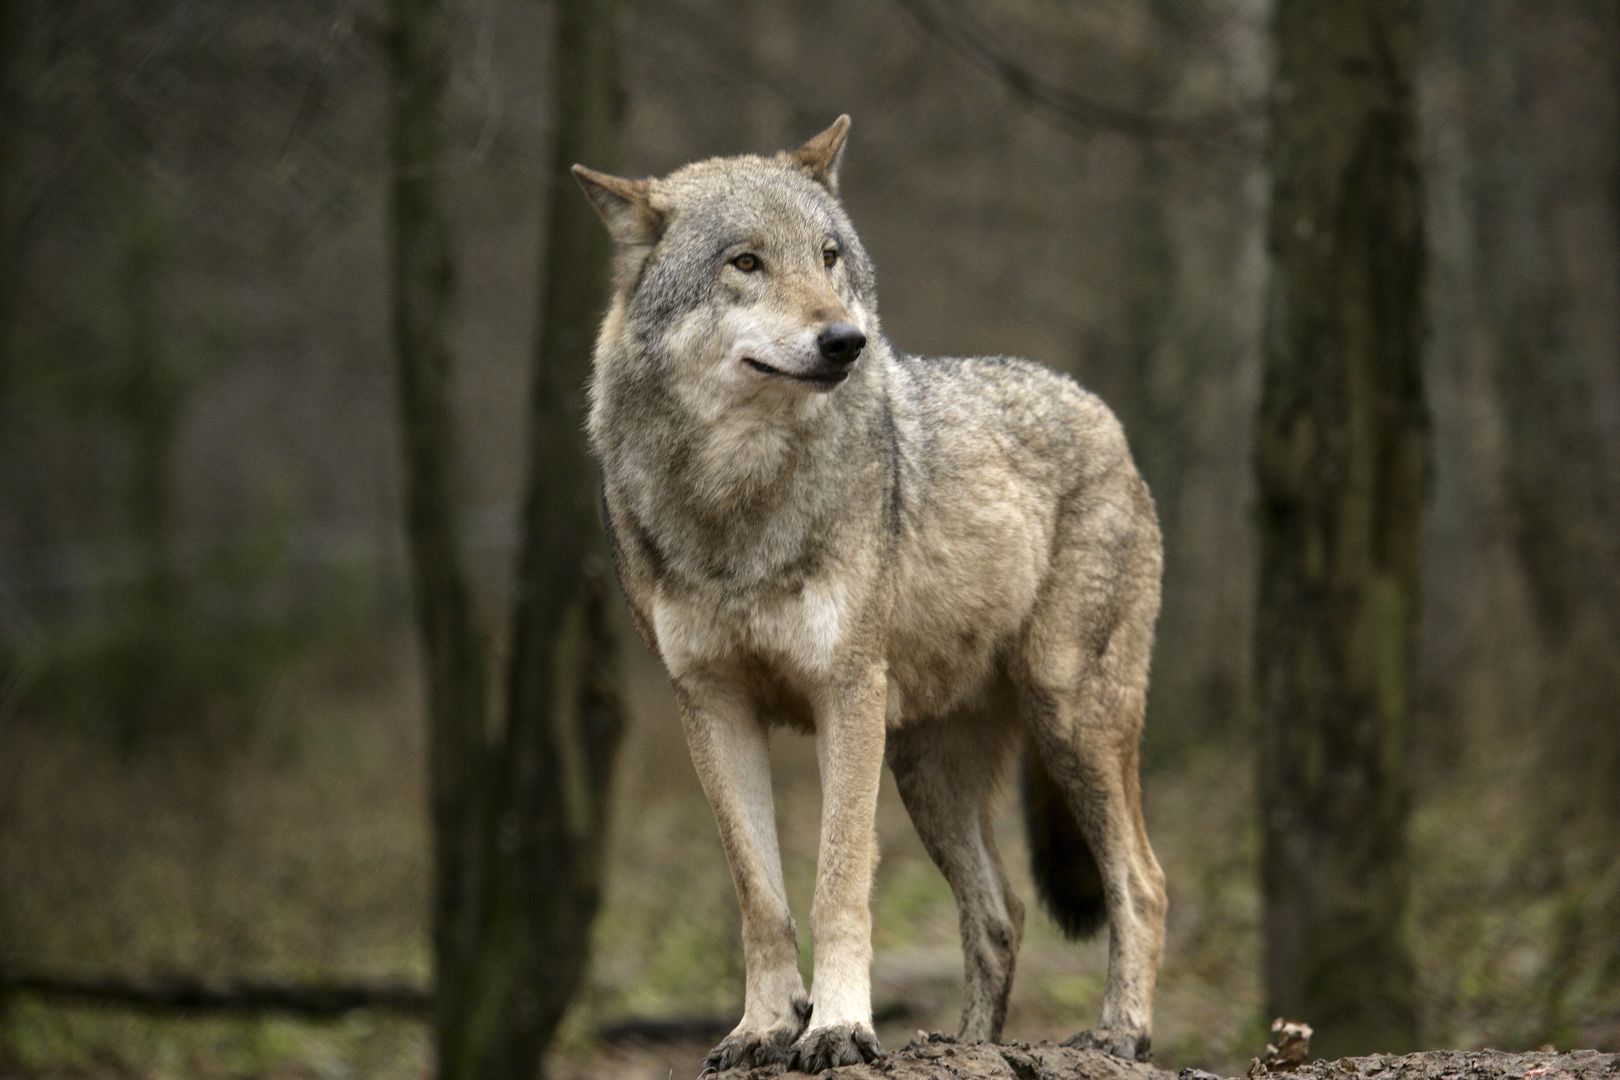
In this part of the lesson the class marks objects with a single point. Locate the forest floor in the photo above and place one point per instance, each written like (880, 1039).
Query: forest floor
(936, 1059)
(291, 845)
(946, 1059)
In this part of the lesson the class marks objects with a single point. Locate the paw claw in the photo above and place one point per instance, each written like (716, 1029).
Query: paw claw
(1128, 1043)
(838, 1044)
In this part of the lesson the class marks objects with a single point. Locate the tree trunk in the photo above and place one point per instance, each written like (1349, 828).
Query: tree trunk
(452, 645)
(1190, 318)
(1547, 212)
(565, 717)
(148, 394)
(1156, 396)
(538, 861)
(519, 819)
(1342, 462)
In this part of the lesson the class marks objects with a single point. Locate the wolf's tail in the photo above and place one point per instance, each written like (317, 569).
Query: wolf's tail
(1061, 862)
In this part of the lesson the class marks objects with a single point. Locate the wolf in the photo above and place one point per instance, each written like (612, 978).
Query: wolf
(923, 561)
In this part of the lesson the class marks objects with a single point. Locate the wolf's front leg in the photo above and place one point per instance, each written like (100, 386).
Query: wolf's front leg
(727, 743)
(849, 750)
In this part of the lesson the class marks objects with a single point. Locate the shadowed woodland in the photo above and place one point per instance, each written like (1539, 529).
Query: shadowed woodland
(326, 748)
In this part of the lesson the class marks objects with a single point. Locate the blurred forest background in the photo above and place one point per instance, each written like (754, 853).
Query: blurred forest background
(214, 747)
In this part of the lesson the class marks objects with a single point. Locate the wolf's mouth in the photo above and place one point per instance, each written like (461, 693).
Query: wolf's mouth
(830, 378)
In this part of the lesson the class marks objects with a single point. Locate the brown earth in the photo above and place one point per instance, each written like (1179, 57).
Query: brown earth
(939, 1057)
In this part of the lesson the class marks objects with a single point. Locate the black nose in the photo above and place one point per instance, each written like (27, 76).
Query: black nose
(841, 343)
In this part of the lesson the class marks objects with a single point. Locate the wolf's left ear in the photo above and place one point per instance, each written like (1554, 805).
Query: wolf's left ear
(823, 153)
(626, 206)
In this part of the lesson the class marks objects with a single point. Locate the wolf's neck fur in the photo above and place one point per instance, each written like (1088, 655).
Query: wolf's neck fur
(726, 493)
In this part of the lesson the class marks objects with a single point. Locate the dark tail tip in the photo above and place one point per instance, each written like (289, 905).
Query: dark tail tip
(1064, 869)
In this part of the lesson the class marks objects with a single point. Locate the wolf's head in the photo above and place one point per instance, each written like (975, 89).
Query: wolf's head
(738, 279)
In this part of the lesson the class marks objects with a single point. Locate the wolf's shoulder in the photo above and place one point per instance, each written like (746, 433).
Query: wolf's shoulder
(1040, 416)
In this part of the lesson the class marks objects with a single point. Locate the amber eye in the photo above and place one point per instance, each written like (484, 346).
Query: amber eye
(747, 262)
(829, 257)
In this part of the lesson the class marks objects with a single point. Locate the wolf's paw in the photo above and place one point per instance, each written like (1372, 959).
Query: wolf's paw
(837, 1044)
(750, 1049)
(1132, 1044)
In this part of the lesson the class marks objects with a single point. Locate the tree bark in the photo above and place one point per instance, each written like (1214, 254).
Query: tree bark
(536, 878)
(1182, 391)
(565, 717)
(1546, 213)
(519, 817)
(1342, 458)
(147, 396)
(451, 641)
(1156, 398)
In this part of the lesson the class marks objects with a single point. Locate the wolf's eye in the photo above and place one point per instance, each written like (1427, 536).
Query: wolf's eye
(829, 257)
(747, 262)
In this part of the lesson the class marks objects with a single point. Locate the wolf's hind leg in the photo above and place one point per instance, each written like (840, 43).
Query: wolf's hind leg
(728, 749)
(1096, 764)
(1083, 692)
(946, 772)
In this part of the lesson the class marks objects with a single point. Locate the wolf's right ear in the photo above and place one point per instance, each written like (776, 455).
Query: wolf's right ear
(626, 206)
(821, 156)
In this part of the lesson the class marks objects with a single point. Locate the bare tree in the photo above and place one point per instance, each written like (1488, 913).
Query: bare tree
(519, 813)
(1543, 209)
(1545, 215)
(452, 643)
(1342, 462)
(1182, 383)
(563, 714)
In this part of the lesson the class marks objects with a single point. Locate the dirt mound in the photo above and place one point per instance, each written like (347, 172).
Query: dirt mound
(939, 1057)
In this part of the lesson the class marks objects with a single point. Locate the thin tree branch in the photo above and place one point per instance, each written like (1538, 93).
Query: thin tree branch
(1068, 108)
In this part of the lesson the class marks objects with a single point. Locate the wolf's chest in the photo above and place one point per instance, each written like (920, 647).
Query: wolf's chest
(801, 631)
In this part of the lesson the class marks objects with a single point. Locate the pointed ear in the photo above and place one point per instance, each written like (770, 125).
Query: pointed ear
(822, 154)
(625, 205)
